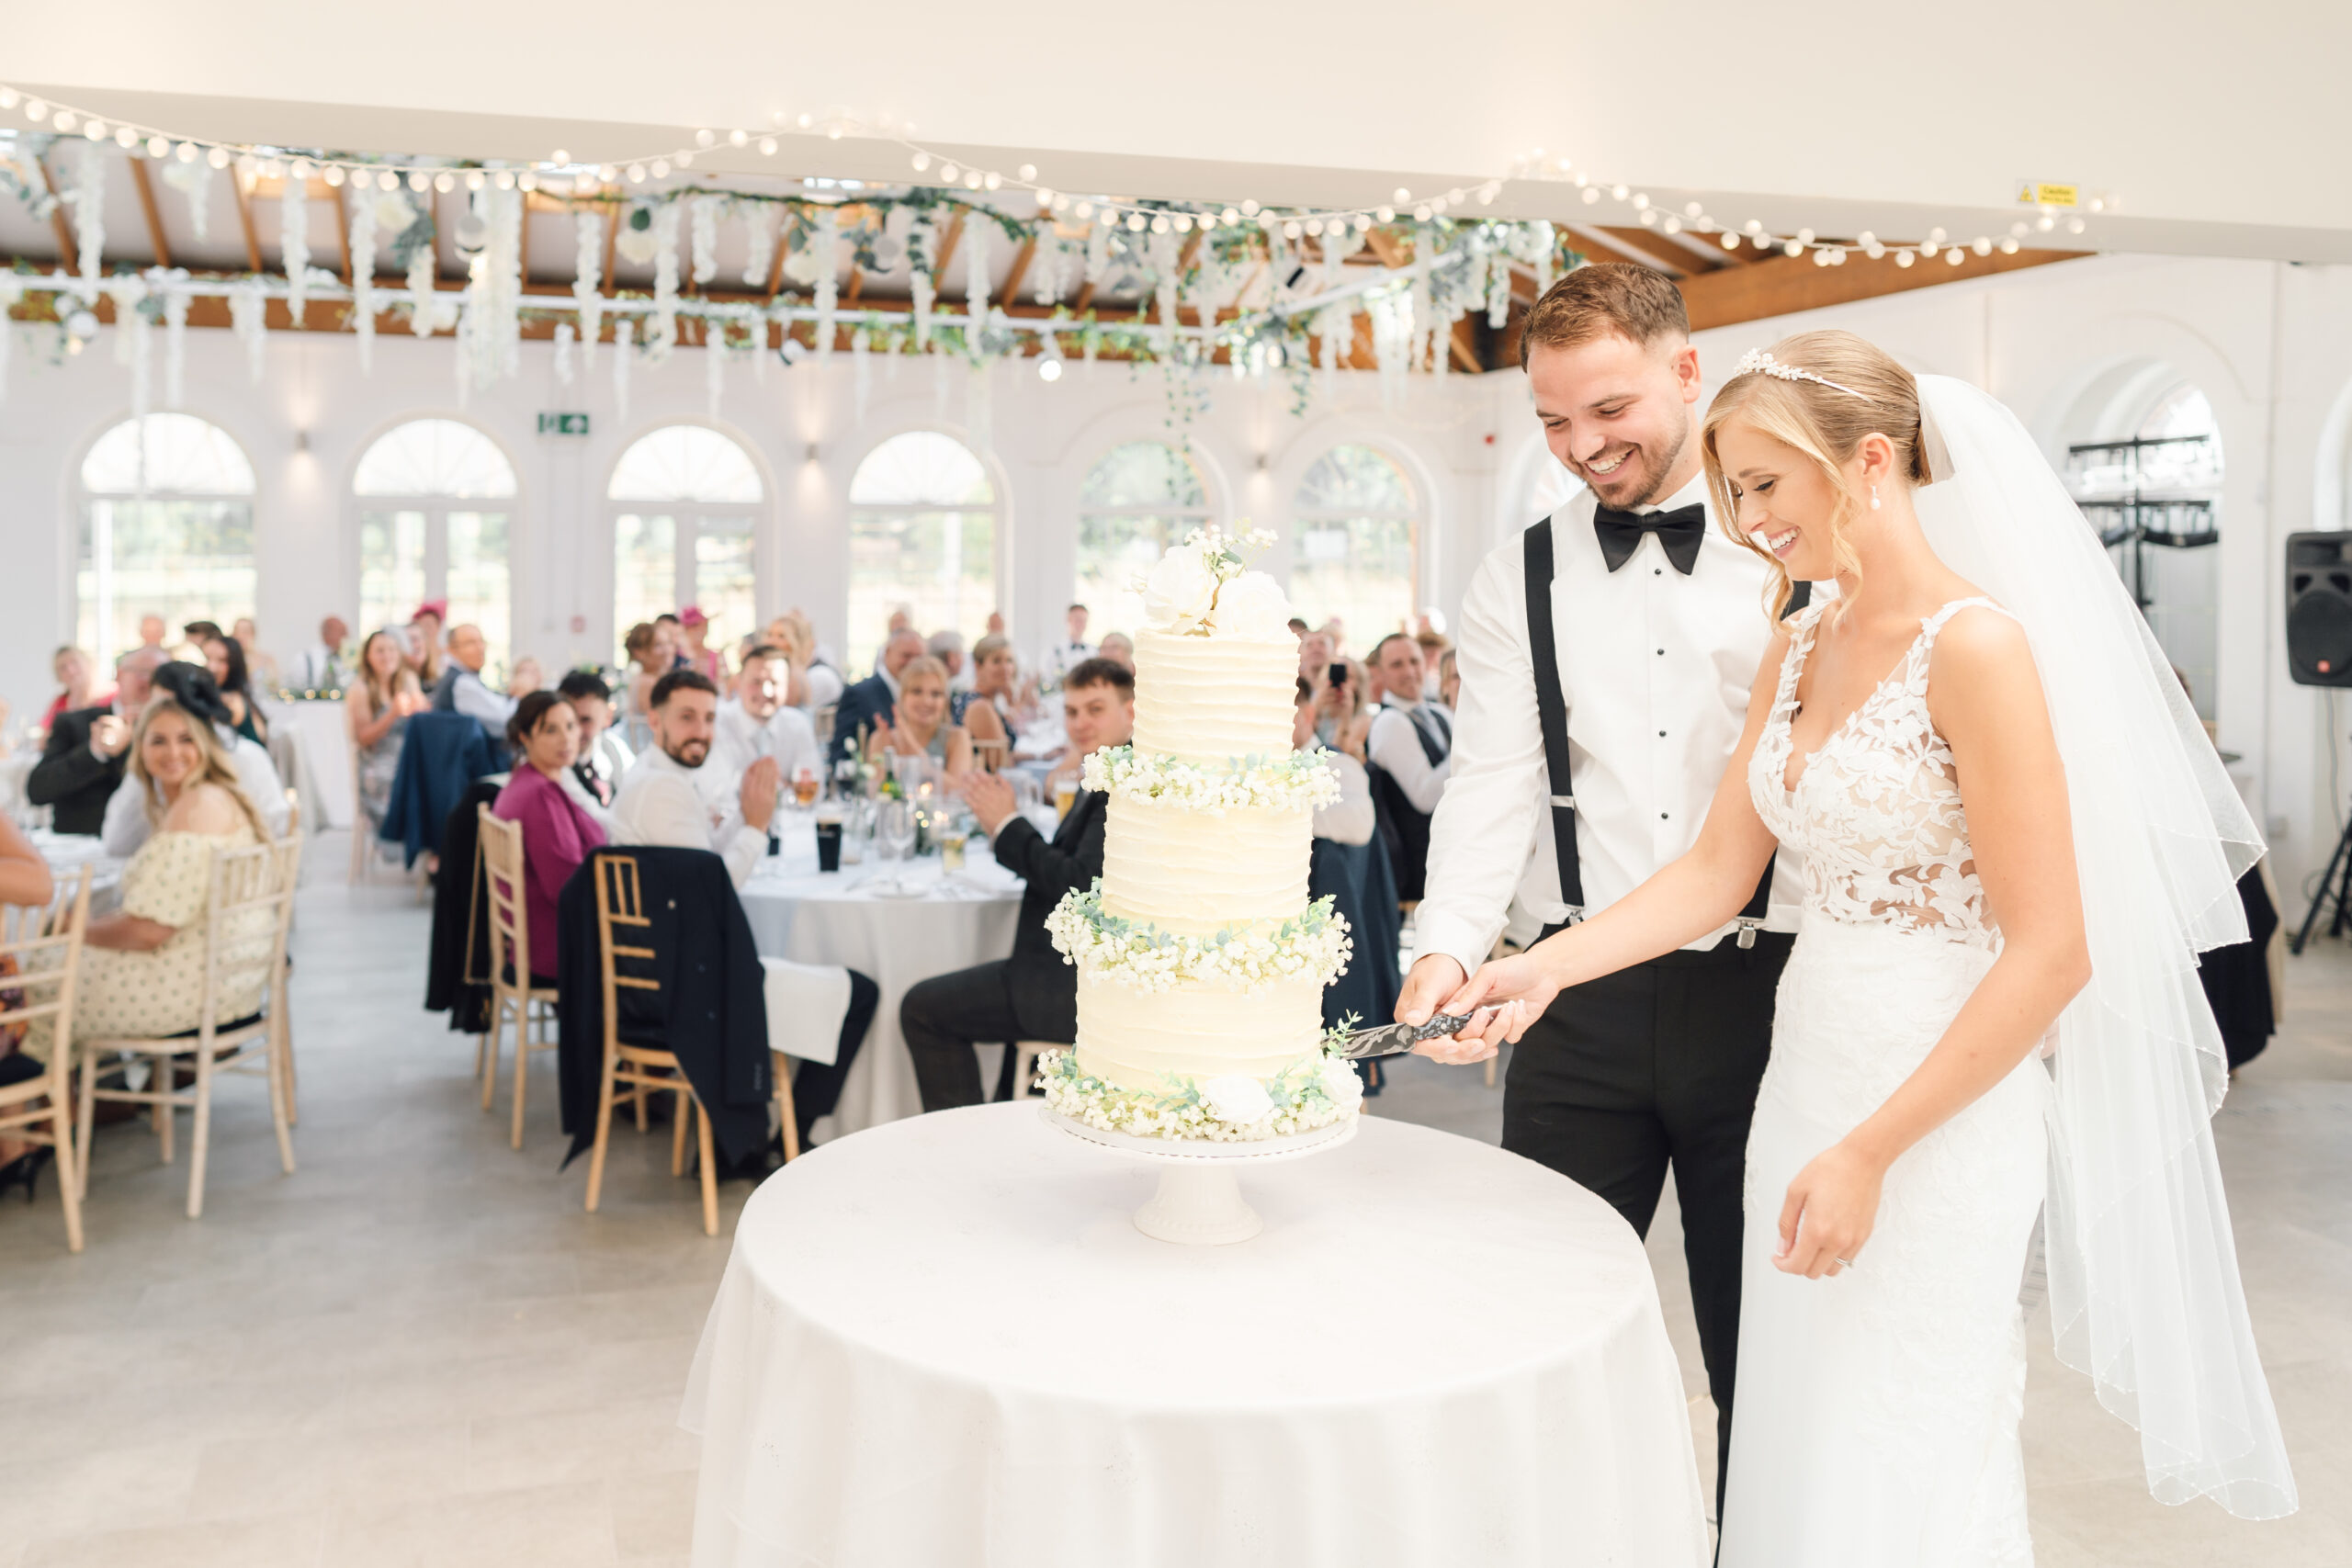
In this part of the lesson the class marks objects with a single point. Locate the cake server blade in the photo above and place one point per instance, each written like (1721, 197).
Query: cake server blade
(1393, 1039)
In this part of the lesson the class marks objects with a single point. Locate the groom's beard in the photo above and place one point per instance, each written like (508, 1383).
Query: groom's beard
(1644, 482)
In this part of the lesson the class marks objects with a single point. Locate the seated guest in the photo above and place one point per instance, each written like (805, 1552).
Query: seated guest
(604, 757)
(1449, 681)
(321, 667)
(377, 708)
(557, 834)
(658, 803)
(151, 631)
(994, 710)
(1119, 649)
(24, 882)
(1434, 649)
(432, 661)
(649, 656)
(870, 701)
(1033, 994)
(815, 684)
(461, 688)
(143, 968)
(525, 677)
(917, 725)
(225, 657)
(949, 648)
(1410, 752)
(755, 723)
(77, 676)
(83, 761)
(131, 816)
(195, 634)
(673, 632)
(258, 663)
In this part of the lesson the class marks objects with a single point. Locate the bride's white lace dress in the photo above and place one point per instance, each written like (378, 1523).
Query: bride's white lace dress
(1877, 1419)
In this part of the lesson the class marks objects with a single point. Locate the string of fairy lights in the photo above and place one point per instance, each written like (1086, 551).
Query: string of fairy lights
(559, 174)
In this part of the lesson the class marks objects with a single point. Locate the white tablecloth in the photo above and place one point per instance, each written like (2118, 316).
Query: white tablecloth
(943, 1342)
(810, 917)
(325, 771)
(68, 852)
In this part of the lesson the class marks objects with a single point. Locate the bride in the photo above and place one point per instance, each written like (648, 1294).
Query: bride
(2015, 841)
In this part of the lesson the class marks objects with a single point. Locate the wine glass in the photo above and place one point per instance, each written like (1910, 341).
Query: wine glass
(894, 830)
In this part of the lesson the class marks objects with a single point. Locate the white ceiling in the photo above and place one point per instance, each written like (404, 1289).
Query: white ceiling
(2216, 131)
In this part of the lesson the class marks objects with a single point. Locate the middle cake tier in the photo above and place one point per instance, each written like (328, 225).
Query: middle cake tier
(1193, 870)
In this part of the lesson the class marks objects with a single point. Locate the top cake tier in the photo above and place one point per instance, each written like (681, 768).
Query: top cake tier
(1210, 699)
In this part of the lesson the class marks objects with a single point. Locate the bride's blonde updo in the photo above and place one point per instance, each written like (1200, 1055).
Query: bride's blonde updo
(1824, 424)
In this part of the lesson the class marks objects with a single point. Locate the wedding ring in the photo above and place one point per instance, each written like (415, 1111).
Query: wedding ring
(1844, 1262)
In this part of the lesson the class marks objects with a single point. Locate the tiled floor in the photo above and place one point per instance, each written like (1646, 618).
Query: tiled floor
(418, 1348)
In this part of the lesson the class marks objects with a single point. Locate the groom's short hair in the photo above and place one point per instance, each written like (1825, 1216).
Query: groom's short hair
(1626, 298)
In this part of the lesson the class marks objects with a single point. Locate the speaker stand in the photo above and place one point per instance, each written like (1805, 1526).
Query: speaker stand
(2331, 885)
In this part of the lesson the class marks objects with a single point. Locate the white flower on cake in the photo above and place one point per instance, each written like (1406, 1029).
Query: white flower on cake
(1252, 607)
(1181, 590)
(1339, 1081)
(1237, 1100)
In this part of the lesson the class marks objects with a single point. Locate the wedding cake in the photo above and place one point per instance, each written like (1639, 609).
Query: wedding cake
(1200, 961)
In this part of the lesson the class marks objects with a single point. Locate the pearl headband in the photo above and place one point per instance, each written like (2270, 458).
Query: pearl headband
(1756, 361)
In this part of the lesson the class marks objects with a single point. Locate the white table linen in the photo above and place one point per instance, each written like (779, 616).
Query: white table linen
(322, 774)
(842, 917)
(806, 1005)
(943, 1342)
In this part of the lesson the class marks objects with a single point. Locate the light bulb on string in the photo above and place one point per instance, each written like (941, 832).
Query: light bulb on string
(737, 137)
(1905, 258)
(1731, 241)
(445, 182)
(1028, 172)
(1386, 213)
(8, 97)
(767, 146)
(921, 161)
(1592, 194)
(35, 111)
(188, 152)
(503, 180)
(159, 147)
(126, 137)
(660, 168)
(949, 173)
(473, 180)
(334, 176)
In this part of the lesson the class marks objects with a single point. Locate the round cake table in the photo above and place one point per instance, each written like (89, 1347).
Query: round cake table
(943, 1342)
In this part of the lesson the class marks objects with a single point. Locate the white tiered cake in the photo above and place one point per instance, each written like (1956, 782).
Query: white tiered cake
(1201, 962)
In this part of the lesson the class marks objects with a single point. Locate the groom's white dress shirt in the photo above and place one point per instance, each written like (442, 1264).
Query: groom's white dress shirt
(659, 804)
(1655, 668)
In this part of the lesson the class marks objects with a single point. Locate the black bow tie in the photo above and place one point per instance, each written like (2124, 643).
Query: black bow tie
(1679, 533)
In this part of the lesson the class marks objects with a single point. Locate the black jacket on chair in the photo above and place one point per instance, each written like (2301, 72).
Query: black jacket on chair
(860, 705)
(69, 779)
(711, 1009)
(1042, 984)
(460, 914)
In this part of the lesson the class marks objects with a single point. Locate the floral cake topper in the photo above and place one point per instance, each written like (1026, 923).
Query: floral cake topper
(1204, 588)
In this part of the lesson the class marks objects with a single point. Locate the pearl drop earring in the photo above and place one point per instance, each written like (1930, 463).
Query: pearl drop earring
(1875, 501)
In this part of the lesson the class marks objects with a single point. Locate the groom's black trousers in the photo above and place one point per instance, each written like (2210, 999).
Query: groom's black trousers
(1654, 1064)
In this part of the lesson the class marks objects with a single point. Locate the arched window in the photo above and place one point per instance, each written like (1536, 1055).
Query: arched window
(922, 537)
(435, 508)
(1355, 545)
(1138, 499)
(2155, 496)
(166, 528)
(685, 503)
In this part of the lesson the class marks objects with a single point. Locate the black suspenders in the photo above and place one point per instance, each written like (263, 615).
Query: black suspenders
(1552, 714)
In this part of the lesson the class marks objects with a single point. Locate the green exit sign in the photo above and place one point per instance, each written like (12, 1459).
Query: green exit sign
(563, 424)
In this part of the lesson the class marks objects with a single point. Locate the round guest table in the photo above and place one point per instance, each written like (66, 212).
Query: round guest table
(943, 1342)
(898, 923)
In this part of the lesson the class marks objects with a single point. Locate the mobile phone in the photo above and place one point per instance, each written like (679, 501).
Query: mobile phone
(1338, 675)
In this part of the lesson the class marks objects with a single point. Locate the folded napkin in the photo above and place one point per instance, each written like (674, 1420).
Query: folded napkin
(806, 1005)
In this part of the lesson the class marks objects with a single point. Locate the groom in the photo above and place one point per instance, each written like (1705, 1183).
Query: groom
(1605, 658)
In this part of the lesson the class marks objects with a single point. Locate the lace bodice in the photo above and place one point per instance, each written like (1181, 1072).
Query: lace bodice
(1876, 811)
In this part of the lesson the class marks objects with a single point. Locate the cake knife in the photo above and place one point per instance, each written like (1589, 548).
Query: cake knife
(1393, 1039)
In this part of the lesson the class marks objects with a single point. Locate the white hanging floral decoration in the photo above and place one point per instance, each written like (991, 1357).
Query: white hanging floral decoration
(134, 339)
(363, 282)
(175, 345)
(662, 332)
(563, 341)
(759, 243)
(88, 197)
(705, 237)
(294, 245)
(624, 331)
(193, 180)
(825, 252)
(587, 283)
(249, 318)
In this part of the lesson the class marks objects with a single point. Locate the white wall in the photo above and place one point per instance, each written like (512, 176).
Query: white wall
(2269, 344)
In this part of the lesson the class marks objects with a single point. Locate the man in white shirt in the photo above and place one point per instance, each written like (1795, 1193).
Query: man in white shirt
(1070, 653)
(1411, 751)
(1653, 621)
(659, 804)
(755, 722)
(461, 688)
(321, 668)
(594, 777)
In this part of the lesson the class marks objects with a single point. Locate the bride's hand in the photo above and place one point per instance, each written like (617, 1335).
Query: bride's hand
(1831, 1209)
(1512, 993)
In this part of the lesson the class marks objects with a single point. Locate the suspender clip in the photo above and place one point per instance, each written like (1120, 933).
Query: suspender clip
(1564, 803)
(1748, 930)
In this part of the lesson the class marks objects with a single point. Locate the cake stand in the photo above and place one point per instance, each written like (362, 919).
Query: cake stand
(1199, 1201)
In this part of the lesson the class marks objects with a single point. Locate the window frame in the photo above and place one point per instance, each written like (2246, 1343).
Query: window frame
(998, 509)
(688, 520)
(81, 516)
(436, 510)
(1185, 518)
(1418, 518)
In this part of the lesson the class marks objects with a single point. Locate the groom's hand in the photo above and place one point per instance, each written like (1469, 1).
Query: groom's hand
(1432, 978)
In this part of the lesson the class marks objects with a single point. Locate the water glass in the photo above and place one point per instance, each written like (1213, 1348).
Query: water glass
(894, 830)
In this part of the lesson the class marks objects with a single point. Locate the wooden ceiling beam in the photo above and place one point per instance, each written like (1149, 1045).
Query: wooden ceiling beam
(68, 257)
(246, 218)
(1461, 340)
(1658, 251)
(1783, 285)
(1021, 260)
(342, 231)
(947, 243)
(145, 186)
(1384, 245)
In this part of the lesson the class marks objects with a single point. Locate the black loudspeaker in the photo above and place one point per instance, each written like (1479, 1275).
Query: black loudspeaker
(2318, 609)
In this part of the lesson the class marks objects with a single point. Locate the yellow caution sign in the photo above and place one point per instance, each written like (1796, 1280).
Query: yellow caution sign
(2037, 193)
